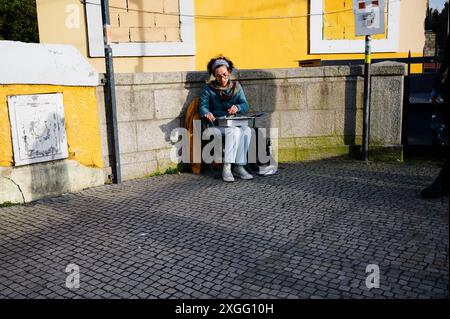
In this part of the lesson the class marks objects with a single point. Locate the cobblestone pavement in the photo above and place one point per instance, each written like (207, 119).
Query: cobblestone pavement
(309, 232)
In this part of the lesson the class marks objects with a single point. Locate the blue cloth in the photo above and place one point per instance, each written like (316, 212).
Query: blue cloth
(210, 101)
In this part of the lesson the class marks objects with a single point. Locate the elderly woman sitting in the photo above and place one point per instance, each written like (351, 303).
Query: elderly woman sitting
(222, 97)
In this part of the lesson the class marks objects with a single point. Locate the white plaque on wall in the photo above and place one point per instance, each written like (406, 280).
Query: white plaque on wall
(37, 128)
(369, 16)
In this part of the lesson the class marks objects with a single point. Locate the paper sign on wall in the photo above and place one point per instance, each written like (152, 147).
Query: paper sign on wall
(369, 16)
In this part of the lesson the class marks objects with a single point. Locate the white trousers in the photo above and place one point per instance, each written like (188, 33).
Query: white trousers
(237, 142)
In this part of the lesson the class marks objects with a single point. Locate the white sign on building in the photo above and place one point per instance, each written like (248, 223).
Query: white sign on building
(37, 128)
(369, 16)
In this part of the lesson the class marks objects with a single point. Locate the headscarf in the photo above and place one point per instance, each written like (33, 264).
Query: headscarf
(219, 62)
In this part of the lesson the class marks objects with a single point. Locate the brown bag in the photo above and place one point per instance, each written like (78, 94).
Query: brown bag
(191, 115)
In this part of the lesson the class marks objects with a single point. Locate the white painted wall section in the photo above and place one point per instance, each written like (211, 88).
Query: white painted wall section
(35, 63)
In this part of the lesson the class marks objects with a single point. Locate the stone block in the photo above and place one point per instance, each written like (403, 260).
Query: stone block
(167, 77)
(120, 34)
(47, 179)
(117, 6)
(138, 157)
(138, 170)
(322, 71)
(269, 120)
(101, 105)
(336, 71)
(258, 74)
(10, 191)
(133, 78)
(152, 135)
(146, 5)
(386, 110)
(282, 97)
(169, 103)
(389, 68)
(114, 19)
(359, 94)
(105, 136)
(287, 155)
(164, 160)
(322, 153)
(127, 137)
(134, 103)
(286, 143)
(386, 153)
(253, 96)
(151, 34)
(348, 122)
(171, 6)
(107, 162)
(306, 123)
(194, 76)
(172, 34)
(327, 94)
(319, 142)
(136, 19)
(167, 21)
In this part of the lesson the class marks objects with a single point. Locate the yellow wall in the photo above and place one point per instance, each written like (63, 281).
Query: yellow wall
(280, 43)
(81, 114)
(339, 23)
(252, 43)
(275, 43)
(52, 17)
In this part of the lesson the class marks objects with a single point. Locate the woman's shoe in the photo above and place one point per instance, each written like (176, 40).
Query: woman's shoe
(240, 171)
(227, 176)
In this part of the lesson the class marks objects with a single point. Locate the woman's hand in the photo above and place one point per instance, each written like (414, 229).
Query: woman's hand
(210, 117)
(233, 110)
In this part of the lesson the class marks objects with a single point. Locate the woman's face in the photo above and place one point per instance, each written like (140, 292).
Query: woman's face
(221, 74)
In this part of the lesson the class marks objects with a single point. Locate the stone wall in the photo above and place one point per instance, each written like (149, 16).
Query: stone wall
(317, 110)
(430, 44)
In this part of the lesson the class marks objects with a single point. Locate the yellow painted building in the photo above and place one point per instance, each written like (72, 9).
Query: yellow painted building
(182, 35)
(49, 129)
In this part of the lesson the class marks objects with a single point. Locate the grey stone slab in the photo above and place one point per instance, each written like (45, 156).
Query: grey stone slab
(306, 123)
(386, 110)
(152, 135)
(327, 95)
(169, 103)
(134, 103)
(277, 97)
(127, 137)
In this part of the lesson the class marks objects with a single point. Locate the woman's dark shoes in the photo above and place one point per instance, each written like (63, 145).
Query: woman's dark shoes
(435, 190)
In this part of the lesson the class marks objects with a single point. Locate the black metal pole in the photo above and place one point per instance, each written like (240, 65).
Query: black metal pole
(409, 62)
(110, 92)
(366, 112)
